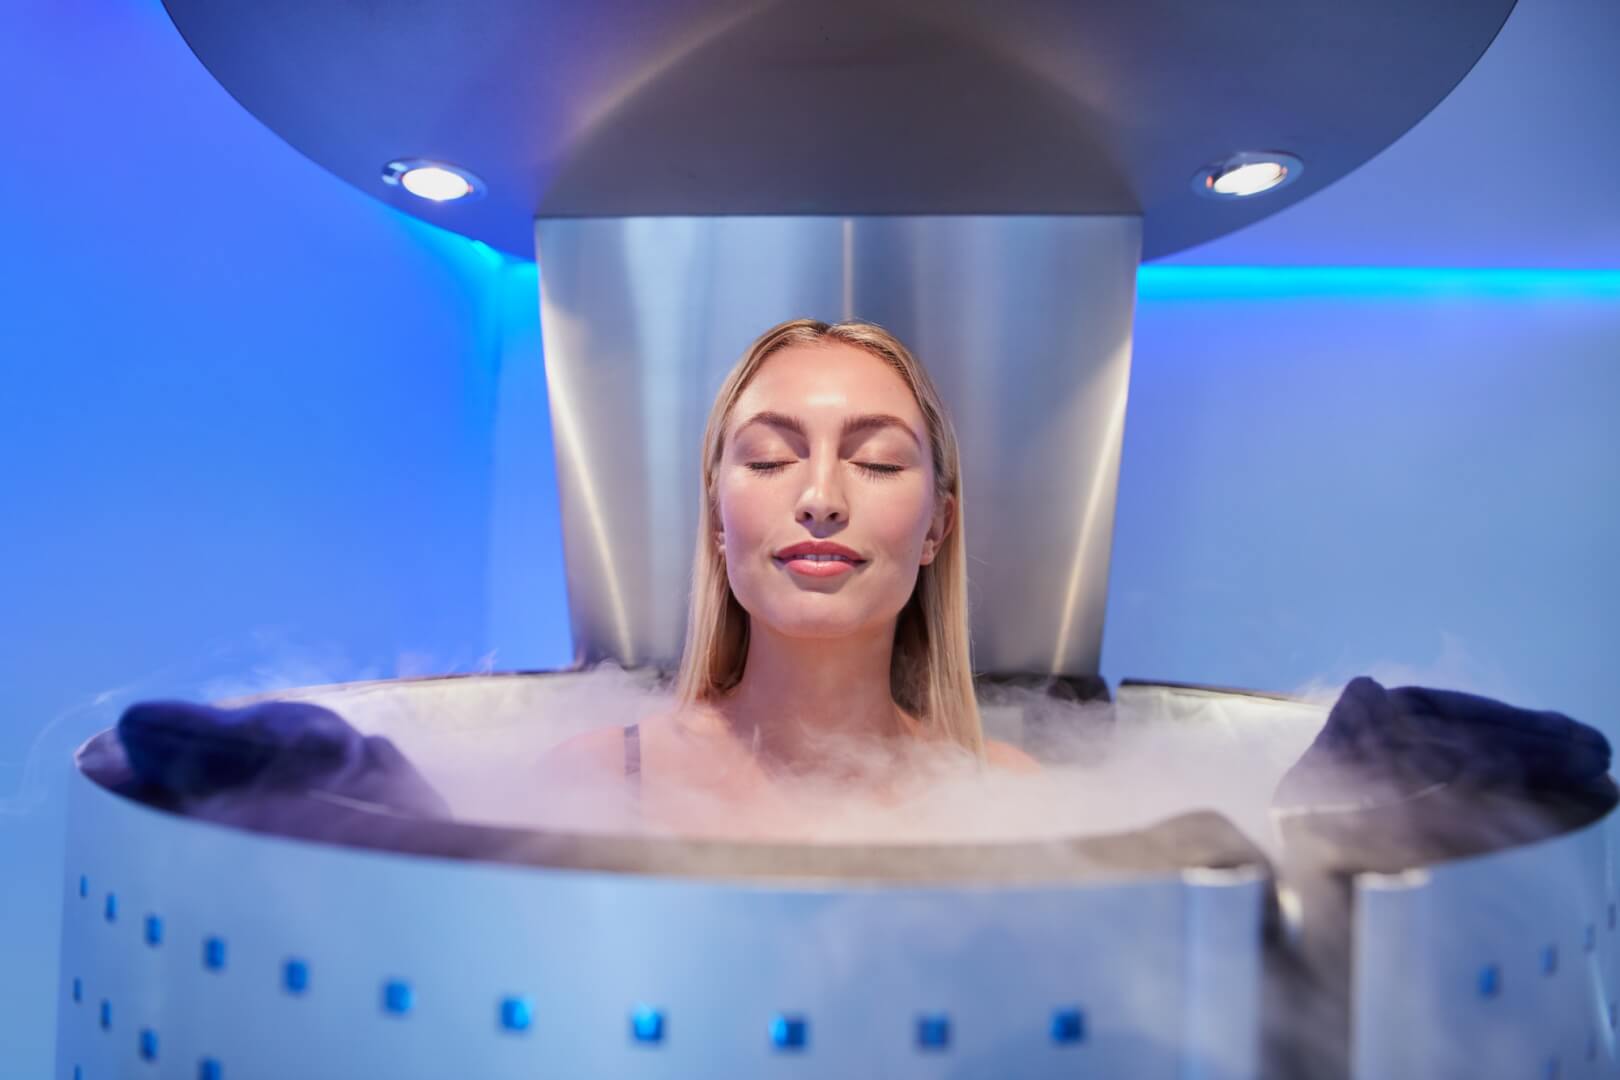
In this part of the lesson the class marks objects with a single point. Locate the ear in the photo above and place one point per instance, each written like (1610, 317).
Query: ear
(944, 521)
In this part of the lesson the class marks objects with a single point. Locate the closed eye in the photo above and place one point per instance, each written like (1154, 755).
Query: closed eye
(767, 467)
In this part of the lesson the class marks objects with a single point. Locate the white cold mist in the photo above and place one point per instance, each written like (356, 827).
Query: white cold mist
(482, 742)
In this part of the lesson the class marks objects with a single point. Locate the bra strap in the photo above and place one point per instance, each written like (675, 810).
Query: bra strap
(632, 752)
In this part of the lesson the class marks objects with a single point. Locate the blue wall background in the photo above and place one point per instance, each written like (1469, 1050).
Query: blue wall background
(246, 420)
(250, 433)
(1409, 473)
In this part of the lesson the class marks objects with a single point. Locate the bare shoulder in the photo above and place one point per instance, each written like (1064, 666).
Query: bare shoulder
(1008, 756)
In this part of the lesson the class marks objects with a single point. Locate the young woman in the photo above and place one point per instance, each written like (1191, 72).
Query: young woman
(826, 651)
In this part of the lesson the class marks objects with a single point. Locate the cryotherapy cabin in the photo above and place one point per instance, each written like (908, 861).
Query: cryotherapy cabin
(985, 181)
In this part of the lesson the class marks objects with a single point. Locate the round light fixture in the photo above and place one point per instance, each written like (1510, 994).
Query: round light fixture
(1242, 175)
(435, 181)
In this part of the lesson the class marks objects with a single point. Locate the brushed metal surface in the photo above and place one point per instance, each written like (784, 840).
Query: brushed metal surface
(848, 107)
(1501, 965)
(1159, 954)
(1024, 323)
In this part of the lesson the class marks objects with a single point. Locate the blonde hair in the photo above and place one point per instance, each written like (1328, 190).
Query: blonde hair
(931, 673)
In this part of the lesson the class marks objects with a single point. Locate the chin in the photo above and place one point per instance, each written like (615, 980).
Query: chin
(815, 625)
(816, 629)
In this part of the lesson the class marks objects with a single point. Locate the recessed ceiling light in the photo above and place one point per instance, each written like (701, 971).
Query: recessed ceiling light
(1246, 174)
(435, 181)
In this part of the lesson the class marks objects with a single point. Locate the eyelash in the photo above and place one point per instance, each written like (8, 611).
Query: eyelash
(877, 471)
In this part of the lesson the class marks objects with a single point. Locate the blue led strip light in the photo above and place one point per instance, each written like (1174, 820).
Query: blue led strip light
(1157, 282)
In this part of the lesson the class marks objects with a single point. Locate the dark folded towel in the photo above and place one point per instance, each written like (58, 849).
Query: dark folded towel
(190, 751)
(1398, 779)
(1380, 744)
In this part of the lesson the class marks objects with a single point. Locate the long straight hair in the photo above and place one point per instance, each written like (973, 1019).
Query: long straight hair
(931, 673)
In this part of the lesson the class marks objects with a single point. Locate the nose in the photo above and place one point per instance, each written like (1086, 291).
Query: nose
(822, 502)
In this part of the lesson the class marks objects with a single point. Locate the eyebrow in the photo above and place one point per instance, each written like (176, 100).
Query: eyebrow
(851, 425)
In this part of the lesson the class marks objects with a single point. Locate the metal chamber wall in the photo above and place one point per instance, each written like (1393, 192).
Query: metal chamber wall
(1024, 323)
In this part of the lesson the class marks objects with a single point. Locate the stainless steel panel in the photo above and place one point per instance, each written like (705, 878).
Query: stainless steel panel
(1160, 966)
(838, 106)
(1024, 322)
(1502, 965)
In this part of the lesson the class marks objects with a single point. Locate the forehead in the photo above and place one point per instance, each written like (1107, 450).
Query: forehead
(824, 382)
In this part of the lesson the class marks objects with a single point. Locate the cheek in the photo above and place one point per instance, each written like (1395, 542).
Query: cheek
(744, 516)
(898, 522)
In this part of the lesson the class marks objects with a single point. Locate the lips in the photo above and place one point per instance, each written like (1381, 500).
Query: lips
(821, 548)
(818, 559)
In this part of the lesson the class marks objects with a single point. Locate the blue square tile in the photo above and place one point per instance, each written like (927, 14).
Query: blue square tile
(1068, 1026)
(149, 1044)
(78, 1073)
(517, 1013)
(398, 997)
(647, 1025)
(789, 1032)
(1549, 960)
(111, 910)
(106, 1015)
(295, 976)
(1490, 981)
(154, 930)
(84, 886)
(933, 1031)
(1591, 937)
(78, 990)
(214, 954)
(209, 1069)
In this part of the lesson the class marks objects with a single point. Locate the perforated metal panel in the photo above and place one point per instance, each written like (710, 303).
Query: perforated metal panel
(282, 958)
(1503, 965)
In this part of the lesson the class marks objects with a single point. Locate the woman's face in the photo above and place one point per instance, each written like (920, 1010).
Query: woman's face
(824, 462)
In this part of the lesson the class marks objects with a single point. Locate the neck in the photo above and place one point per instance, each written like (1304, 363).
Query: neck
(796, 690)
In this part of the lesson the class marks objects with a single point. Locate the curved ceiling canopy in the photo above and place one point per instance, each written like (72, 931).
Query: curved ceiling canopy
(651, 107)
